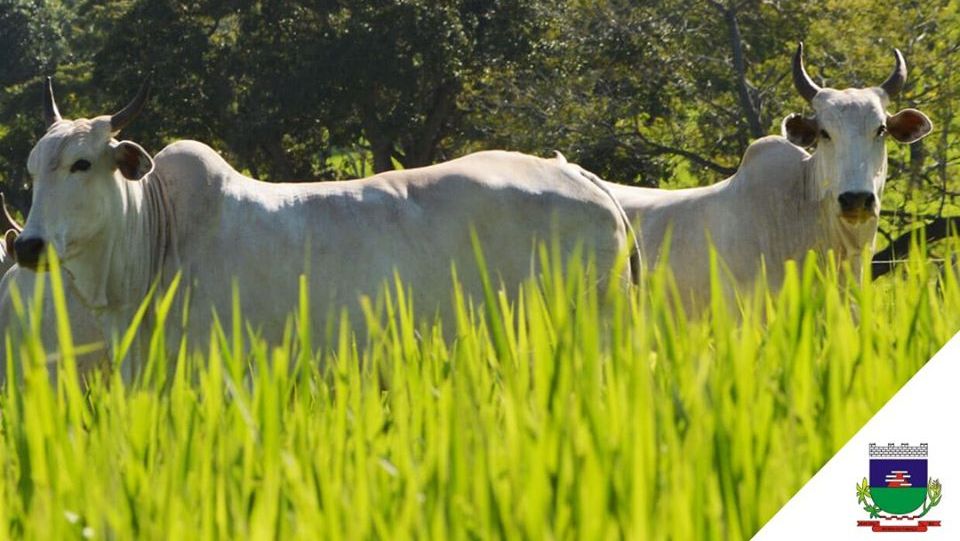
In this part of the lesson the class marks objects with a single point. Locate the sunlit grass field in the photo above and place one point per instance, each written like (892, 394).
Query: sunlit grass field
(571, 414)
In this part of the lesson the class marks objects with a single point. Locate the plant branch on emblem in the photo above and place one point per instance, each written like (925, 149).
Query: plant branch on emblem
(934, 492)
(863, 496)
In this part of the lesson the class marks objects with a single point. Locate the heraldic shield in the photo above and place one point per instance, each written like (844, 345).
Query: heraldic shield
(898, 478)
(898, 490)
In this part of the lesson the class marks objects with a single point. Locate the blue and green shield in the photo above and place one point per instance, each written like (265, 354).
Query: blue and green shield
(898, 485)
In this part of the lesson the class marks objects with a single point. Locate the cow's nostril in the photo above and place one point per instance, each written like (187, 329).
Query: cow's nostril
(854, 201)
(29, 250)
(845, 201)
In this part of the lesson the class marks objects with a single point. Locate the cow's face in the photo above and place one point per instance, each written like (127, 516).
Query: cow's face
(78, 171)
(850, 129)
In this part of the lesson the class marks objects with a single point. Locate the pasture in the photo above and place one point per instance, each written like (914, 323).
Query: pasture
(447, 407)
(558, 417)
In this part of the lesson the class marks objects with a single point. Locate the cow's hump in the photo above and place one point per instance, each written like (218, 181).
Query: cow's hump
(192, 161)
(773, 148)
(771, 157)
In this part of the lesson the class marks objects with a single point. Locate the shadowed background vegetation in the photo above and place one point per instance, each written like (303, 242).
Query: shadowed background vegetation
(656, 93)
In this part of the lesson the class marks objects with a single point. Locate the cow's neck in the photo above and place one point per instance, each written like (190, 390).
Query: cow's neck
(847, 241)
(135, 253)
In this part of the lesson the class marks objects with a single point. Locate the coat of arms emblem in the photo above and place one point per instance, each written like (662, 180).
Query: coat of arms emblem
(899, 491)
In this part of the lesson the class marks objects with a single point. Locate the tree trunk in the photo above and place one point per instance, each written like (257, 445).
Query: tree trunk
(885, 260)
(943, 147)
(280, 167)
(382, 156)
(381, 146)
(422, 150)
(918, 155)
(744, 92)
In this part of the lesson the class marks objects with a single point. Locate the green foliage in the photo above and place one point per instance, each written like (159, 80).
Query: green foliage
(568, 414)
(658, 93)
(281, 86)
(31, 38)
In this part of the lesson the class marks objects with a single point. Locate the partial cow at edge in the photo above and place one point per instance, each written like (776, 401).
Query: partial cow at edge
(10, 230)
(783, 202)
(91, 352)
(120, 219)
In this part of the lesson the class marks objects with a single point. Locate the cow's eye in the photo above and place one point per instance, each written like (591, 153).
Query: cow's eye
(79, 165)
(824, 135)
(881, 131)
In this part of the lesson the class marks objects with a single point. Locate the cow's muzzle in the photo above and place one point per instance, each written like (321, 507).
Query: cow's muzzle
(29, 250)
(857, 207)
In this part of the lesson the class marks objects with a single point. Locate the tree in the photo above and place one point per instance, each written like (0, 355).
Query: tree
(393, 73)
(283, 85)
(32, 42)
(649, 91)
(659, 93)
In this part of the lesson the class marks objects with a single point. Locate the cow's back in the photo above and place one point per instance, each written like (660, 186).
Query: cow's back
(761, 213)
(350, 237)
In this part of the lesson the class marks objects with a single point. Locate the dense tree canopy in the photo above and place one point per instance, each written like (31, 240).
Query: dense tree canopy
(659, 93)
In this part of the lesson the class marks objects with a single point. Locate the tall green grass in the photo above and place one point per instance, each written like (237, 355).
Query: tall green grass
(570, 414)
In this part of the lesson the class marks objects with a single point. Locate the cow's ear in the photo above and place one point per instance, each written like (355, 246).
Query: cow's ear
(909, 125)
(133, 162)
(8, 239)
(799, 130)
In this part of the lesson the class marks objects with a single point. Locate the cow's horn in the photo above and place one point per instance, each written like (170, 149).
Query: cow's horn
(805, 85)
(126, 115)
(5, 216)
(50, 112)
(894, 84)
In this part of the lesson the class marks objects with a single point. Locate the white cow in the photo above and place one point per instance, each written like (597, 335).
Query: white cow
(90, 344)
(86, 334)
(783, 202)
(120, 219)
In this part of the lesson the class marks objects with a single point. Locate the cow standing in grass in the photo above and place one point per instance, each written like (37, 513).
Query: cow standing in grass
(91, 349)
(783, 202)
(120, 220)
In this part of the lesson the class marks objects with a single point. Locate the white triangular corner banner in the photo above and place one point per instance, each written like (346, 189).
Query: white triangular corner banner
(925, 411)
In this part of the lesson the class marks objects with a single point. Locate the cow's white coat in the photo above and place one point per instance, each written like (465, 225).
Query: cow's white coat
(194, 213)
(781, 203)
(85, 332)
